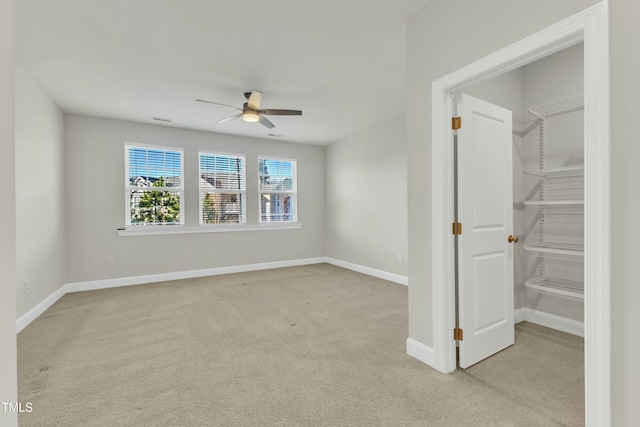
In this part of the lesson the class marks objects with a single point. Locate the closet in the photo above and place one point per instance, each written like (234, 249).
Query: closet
(547, 102)
(553, 212)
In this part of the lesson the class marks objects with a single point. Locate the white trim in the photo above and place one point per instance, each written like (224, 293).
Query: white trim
(392, 277)
(128, 188)
(24, 320)
(419, 351)
(597, 257)
(31, 315)
(591, 27)
(163, 277)
(208, 228)
(221, 153)
(293, 191)
(550, 321)
(242, 191)
(285, 159)
(153, 146)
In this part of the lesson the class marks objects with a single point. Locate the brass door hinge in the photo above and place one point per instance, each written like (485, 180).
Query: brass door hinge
(456, 123)
(457, 334)
(456, 228)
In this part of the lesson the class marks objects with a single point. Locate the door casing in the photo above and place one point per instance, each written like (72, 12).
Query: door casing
(590, 27)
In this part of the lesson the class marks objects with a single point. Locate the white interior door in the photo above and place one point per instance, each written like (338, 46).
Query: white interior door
(485, 209)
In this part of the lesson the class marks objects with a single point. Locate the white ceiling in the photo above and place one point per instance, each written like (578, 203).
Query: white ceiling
(340, 61)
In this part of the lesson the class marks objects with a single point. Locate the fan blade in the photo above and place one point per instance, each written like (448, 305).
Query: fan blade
(217, 103)
(264, 121)
(254, 100)
(273, 112)
(227, 119)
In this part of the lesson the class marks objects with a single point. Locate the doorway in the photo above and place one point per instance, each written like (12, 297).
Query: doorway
(523, 190)
(590, 27)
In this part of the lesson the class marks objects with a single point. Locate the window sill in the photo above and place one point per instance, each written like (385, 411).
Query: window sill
(176, 229)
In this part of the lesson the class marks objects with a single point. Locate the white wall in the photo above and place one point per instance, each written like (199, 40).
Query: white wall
(625, 204)
(555, 77)
(367, 198)
(484, 27)
(95, 203)
(40, 194)
(504, 90)
(8, 361)
(473, 30)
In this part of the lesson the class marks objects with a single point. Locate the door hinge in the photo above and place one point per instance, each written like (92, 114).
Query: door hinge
(456, 123)
(457, 334)
(456, 228)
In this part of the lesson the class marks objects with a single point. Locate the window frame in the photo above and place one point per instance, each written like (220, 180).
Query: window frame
(128, 188)
(293, 191)
(242, 191)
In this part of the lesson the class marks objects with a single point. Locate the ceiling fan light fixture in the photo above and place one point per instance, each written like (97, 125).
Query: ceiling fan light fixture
(250, 116)
(251, 111)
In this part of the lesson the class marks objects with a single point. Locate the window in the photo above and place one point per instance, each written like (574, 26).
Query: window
(277, 188)
(154, 186)
(222, 189)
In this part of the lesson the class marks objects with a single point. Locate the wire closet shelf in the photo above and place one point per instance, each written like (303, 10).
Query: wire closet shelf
(561, 204)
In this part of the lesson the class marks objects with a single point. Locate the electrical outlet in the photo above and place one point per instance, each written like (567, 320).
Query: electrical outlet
(26, 286)
(382, 254)
(399, 257)
(111, 261)
(305, 246)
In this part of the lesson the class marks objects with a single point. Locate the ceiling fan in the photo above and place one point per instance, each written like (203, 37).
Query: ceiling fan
(251, 111)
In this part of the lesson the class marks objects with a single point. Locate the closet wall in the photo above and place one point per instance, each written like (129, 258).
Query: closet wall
(557, 77)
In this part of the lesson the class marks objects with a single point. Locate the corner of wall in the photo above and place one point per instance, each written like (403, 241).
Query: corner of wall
(39, 159)
(8, 354)
(366, 202)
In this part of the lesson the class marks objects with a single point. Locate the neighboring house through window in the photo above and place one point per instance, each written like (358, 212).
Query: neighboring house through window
(277, 188)
(154, 186)
(222, 189)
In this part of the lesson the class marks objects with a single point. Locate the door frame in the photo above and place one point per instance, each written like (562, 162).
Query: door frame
(591, 27)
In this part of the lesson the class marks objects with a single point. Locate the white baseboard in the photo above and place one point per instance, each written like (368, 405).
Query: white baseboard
(426, 354)
(403, 280)
(92, 285)
(31, 315)
(191, 274)
(550, 321)
(419, 351)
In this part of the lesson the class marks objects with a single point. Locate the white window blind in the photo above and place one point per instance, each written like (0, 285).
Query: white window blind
(222, 189)
(277, 188)
(154, 188)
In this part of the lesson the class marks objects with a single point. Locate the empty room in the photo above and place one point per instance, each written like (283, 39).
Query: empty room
(413, 213)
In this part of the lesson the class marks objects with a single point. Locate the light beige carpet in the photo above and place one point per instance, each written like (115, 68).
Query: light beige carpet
(303, 346)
